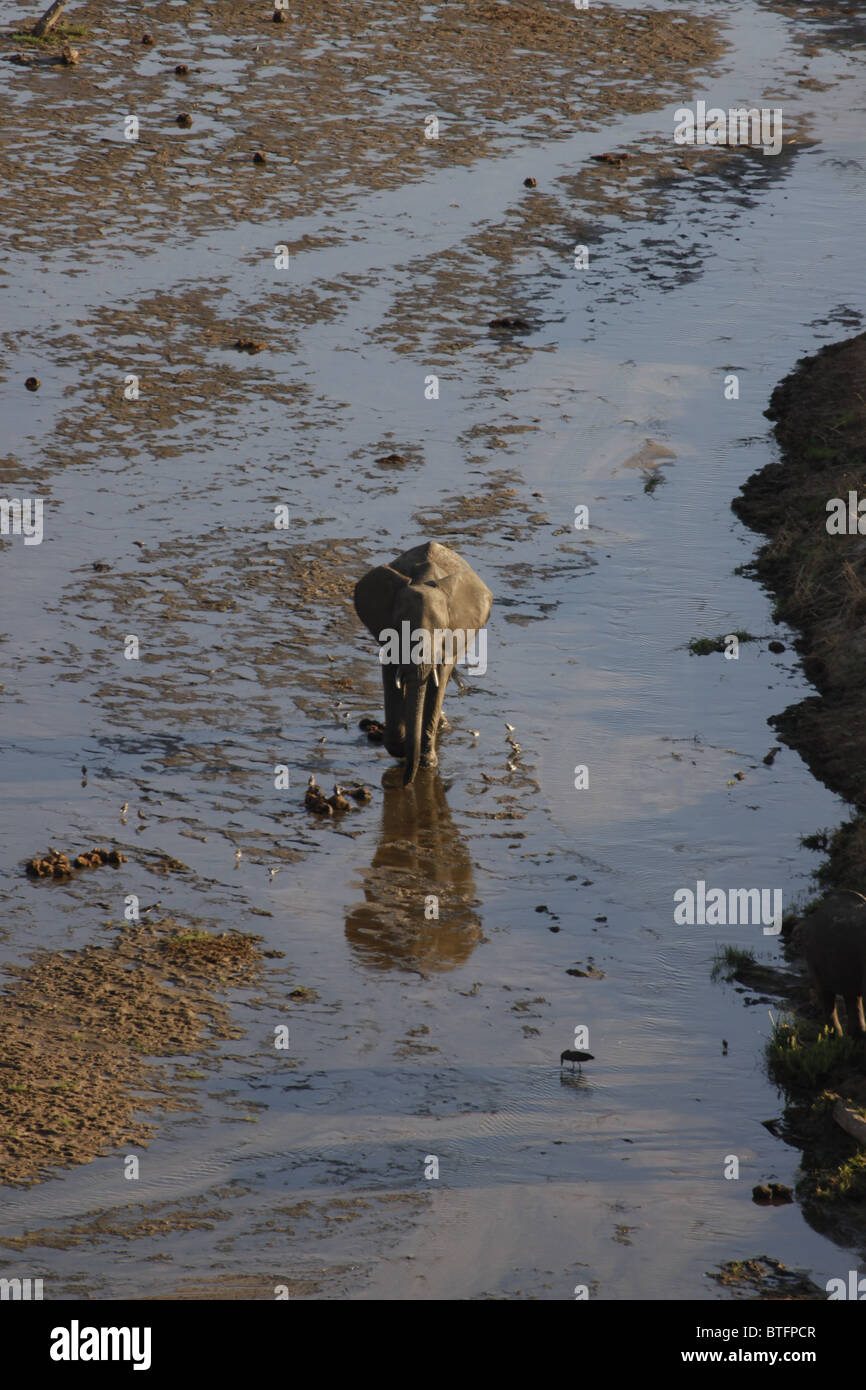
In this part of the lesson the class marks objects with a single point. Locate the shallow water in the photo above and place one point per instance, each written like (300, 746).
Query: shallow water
(441, 1038)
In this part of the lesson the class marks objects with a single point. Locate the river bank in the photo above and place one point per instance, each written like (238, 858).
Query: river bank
(814, 565)
(407, 1036)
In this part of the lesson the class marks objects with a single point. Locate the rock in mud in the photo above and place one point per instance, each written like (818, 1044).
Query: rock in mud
(764, 1278)
(772, 1194)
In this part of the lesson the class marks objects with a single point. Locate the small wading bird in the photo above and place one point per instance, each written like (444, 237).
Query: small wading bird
(572, 1057)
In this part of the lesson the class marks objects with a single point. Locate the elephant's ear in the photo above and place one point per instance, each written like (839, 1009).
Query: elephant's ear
(375, 596)
(469, 599)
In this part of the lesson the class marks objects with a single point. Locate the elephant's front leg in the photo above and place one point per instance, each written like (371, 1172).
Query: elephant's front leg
(395, 712)
(854, 1010)
(433, 716)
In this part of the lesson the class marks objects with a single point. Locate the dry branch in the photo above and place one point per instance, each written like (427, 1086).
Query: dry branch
(48, 20)
(848, 1119)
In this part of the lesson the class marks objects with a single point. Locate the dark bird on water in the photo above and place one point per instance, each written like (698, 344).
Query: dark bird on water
(572, 1057)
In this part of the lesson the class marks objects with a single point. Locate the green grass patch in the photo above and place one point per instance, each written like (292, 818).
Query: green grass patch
(55, 38)
(803, 1058)
(728, 961)
(820, 840)
(848, 417)
(845, 1183)
(817, 453)
(702, 646)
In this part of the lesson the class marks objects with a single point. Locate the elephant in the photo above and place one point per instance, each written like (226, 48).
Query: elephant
(833, 940)
(426, 591)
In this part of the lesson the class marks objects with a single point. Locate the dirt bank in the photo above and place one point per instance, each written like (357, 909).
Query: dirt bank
(818, 580)
(814, 564)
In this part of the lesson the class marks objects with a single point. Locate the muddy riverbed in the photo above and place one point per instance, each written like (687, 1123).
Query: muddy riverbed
(297, 1041)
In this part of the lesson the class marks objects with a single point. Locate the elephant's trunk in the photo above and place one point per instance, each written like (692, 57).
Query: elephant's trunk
(415, 698)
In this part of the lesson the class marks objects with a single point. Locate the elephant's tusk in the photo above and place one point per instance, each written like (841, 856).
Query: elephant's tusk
(435, 674)
(397, 682)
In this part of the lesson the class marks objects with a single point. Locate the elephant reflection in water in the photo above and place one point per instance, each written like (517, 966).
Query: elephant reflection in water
(421, 853)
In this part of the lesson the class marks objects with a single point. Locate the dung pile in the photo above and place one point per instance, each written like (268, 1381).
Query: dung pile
(56, 864)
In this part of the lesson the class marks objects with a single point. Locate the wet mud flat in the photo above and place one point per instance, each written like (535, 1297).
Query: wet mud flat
(81, 1031)
(262, 390)
(814, 565)
(219, 144)
(481, 65)
(280, 92)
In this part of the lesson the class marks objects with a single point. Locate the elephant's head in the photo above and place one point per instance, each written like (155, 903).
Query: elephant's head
(408, 606)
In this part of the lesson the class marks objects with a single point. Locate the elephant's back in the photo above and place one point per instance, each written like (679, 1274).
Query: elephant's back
(430, 560)
(833, 938)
